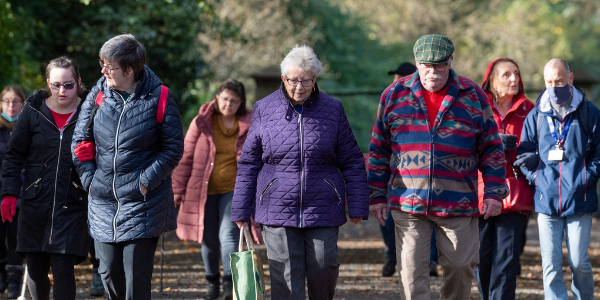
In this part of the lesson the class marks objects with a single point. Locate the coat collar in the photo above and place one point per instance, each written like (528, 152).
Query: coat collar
(417, 89)
(543, 101)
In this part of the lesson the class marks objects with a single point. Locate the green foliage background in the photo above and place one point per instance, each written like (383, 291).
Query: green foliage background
(195, 44)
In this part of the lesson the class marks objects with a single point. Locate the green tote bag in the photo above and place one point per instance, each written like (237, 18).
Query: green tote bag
(247, 271)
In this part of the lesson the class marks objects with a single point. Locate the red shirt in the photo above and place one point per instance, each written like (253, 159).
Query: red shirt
(60, 119)
(433, 102)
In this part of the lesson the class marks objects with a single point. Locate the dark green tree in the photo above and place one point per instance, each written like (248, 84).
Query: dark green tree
(168, 30)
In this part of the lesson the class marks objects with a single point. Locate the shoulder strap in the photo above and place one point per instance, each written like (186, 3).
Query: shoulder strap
(162, 104)
(99, 98)
(97, 103)
(584, 123)
(540, 122)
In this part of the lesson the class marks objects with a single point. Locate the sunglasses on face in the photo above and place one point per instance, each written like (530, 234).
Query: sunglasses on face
(67, 86)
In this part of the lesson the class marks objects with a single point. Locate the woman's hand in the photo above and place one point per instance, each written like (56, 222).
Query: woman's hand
(179, 198)
(355, 220)
(239, 224)
(8, 208)
(144, 189)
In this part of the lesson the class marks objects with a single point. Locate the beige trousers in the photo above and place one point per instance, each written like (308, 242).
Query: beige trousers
(457, 241)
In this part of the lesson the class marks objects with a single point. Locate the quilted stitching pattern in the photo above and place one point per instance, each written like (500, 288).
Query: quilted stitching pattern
(142, 152)
(272, 167)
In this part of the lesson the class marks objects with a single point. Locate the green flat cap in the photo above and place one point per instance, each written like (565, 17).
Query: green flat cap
(433, 49)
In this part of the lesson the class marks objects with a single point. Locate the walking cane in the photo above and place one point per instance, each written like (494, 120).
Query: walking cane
(162, 251)
(22, 297)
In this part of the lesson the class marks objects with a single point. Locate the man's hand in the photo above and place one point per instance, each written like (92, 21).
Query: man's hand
(491, 208)
(379, 211)
(509, 141)
(529, 161)
(355, 220)
(246, 224)
(179, 198)
(144, 189)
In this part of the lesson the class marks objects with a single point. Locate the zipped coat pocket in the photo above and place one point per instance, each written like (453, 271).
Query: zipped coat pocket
(334, 189)
(264, 191)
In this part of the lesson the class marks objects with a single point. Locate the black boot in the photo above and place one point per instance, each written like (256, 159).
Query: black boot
(14, 278)
(389, 268)
(2, 277)
(212, 290)
(227, 288)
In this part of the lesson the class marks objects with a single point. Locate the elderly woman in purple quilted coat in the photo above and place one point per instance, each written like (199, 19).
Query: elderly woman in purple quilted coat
(299, 164)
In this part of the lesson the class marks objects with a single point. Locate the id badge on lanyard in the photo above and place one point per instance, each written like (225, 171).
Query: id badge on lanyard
(558, 154)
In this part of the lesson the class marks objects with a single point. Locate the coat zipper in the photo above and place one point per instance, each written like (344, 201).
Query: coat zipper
(56, 175)
(115, 167)
(301, 163)
(584, 181)
(267, 188)
(334, 189)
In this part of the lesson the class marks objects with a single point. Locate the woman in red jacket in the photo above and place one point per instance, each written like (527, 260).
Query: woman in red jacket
(500, 237)
(204, 180)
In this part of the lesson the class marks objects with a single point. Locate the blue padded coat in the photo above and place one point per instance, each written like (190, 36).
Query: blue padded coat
(131, 148)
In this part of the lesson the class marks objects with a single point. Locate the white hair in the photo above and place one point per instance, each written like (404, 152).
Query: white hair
(302, 58)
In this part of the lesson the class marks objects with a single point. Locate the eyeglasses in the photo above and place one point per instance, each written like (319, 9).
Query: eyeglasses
(305, 83)
(109, 68)
(437, 67)
(7, 102)
(67, 86)
(234, 102)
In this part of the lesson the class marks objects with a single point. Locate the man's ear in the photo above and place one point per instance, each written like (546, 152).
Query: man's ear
(571, 78)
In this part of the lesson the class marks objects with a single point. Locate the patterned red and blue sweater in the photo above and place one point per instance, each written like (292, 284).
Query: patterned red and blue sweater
(432, 170)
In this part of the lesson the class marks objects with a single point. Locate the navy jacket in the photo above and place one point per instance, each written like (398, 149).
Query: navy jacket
(298, 170)
(568, 187)
(131, 148)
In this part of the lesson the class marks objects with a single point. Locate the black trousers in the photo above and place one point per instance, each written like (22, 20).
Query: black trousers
(38, 265)
(126, 268)
(8, 250)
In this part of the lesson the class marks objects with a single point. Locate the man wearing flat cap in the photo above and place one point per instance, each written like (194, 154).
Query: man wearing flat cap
(433, 132)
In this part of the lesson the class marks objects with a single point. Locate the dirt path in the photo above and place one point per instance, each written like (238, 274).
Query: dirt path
(361, 258)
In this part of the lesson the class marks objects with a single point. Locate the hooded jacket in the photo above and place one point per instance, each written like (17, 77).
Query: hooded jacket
(297, 170)
(511, 123)
(431, 169)
(190, 178)
(53, 211)
(131, 149)
(567, 187)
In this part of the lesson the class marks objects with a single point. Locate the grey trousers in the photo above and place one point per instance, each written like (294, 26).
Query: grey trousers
(296, 254)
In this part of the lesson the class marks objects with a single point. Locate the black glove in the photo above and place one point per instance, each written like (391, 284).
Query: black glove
(529, 161)
(509, 141)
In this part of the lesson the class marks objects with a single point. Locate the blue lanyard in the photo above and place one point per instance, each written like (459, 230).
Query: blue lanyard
(559, 142)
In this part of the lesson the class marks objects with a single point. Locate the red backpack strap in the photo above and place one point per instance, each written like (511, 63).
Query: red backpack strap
(99, 98)
(162, 104)
(97, 103)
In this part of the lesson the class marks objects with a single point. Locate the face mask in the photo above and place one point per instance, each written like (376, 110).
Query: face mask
(9, 118)
(559, 94)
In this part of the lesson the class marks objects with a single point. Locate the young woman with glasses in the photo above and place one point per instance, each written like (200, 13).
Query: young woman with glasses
(52, 228)
(203, 182)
